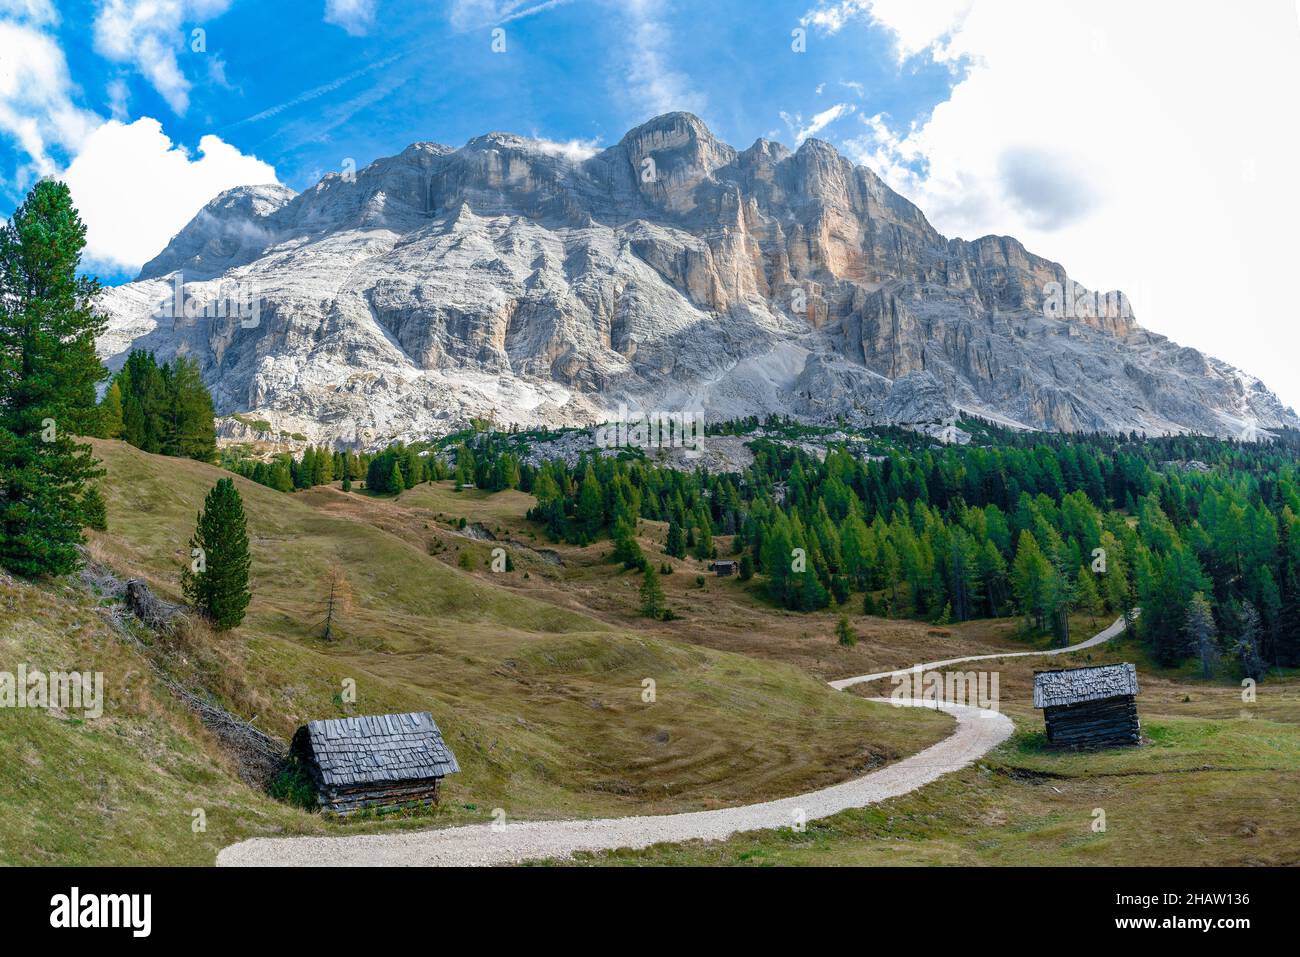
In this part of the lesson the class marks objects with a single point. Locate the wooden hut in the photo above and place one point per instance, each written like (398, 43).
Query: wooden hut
(1094, 707)
(378, 761)
(724, 568)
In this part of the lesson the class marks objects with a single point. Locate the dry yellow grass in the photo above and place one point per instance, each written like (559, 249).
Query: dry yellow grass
(542, 703)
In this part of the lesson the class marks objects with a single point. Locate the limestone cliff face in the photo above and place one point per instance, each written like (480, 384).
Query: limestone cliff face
(513, 279)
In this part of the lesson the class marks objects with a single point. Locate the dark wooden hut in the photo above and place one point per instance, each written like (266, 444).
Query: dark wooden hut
(378, 761)
(724, 568)
(1092, 707)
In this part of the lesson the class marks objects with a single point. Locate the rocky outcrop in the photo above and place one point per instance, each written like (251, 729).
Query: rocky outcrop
(517, 280)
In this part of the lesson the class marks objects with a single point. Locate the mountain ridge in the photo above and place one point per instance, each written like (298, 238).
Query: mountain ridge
(528, 282)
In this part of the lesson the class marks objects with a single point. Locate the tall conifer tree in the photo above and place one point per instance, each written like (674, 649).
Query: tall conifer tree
(48, 372)
(216, 580)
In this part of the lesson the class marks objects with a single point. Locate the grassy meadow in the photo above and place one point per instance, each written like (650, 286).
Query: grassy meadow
(536, 676)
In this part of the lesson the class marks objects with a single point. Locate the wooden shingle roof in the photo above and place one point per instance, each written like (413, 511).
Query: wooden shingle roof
(377, 748)
(1076, 685)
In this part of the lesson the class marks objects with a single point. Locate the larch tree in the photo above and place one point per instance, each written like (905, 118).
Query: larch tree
(337, 601)
(652, 594)
(1201, 633)
(1088, 598)
(1246, 646)
(844, 633)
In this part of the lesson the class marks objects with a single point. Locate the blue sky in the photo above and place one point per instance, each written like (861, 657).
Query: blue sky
(1148, 147)
(281, 83)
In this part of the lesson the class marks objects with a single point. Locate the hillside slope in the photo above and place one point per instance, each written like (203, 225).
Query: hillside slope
(542, 705)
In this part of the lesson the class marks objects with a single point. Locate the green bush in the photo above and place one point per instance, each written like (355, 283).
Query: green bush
(293, 785)
(93, 511)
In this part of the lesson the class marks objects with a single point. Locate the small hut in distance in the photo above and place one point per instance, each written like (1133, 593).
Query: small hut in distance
(1091, 707)
(379, 761)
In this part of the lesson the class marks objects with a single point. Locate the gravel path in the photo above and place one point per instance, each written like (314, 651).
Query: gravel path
(977, 732)
(1096, 639)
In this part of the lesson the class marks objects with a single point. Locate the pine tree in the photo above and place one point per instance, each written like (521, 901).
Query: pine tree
(165, 409)
(464, 467)
(48, 372)
(306, 468)
(590, 511)
(992, 578)
(1031, 576)
(626, 549)
(281, 477)
(746, 567)
(811, 595)
(704, 540)
(1246, 647)
(652, 595)
(216, 581)
(1201, 633)
(189, 430)
(844, 634)
(891, 569)
(1087, 599)
(675, 546)
(94, 510)
(412, 468)
(111, 410)
(1165, 594)
(322, 471)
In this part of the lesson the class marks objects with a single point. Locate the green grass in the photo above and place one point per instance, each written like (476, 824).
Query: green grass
(1204, 793)
(538, 687)
(542, 704)
(122, 788)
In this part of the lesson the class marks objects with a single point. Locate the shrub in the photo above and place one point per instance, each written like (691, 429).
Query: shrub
(844, 633)
(93, 511)
(292, 784)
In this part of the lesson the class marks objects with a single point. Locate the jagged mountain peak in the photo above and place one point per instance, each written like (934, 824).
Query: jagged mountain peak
(765, 151)
(234, 226)
(677, 125)
(532, 282)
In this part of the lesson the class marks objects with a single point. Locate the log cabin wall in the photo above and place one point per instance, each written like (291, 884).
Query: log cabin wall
(1108, 722)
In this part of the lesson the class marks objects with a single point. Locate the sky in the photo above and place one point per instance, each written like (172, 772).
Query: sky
(1149, 147)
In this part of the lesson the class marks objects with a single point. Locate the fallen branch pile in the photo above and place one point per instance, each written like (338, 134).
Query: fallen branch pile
(258, 755)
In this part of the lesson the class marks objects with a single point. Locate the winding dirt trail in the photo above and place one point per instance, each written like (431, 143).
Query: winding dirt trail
(977, 732)
(1097, 639)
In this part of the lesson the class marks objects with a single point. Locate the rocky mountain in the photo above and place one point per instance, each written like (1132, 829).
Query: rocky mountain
(513, 279)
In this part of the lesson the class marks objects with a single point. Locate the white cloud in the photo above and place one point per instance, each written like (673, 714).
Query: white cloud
(36, 106)
(148, 34)
(916, 25)
(1148, 147)
(575, 151)
(34, 12)
(354, 16)
(135, 189)
(655, 87)
(476, 14)
(819, 122)
(830, 16)
(118, 96)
